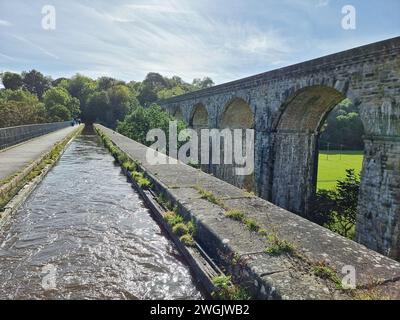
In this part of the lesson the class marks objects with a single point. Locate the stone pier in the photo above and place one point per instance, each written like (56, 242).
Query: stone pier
(287, 107)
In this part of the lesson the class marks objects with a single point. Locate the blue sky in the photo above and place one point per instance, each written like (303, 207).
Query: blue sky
(225, 40)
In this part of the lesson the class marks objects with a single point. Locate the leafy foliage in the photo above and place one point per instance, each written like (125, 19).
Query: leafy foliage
(60, 105)
(11, 80)
(343, 128)
(105, 100)
(235, 214)
(20, 107)
(210, 196)
(141, 120)
(185, 230)
(337, 209)
(180, 229)
(187, 240)
(252, 224)
(277, 246)
(203, 83)
(35, 82)
(141, 180)
(324, 271)
(172, 218)
(155, 87)
(227, 290)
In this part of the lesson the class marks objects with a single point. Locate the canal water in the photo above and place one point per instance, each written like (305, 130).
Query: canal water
(84, 233)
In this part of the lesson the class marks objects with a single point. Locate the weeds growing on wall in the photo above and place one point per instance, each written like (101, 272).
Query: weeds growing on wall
(209, 196)
(227, 290)
(126, 163)
(185, 230)
(277, 246)
(322, 270)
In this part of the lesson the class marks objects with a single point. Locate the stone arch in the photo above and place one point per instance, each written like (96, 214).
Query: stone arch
(177, 113)
(237, 114)
(295, 145)
(199, 117)
(305, 109)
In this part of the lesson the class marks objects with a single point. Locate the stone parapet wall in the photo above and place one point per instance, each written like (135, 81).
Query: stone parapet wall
(13, 135)
(290, 102)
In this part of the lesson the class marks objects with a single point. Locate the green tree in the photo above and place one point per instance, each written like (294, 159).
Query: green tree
(20, 107)
(343, 127)
(135, 125)
(176, 81)
(122, 101)
(98, 108)
(155, 87)
(204, 83)
(134, 87)
(168, 93)
(148, 89)
(147, 95)
(322, 207)
(155, 81)
(105, 83)
(337, 209)
(106, 99)
(60, 105)
(58, 81)
(35, 82)
(141, 120)
(58, 112)
(11, 80)
(346, 201)
(81, 87)
(19, 95)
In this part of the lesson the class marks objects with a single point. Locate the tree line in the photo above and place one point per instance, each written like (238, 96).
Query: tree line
(343, 128)
(31, 97)
(130, 107)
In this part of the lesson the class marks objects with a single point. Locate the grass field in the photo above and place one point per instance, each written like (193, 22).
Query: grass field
(332, 166)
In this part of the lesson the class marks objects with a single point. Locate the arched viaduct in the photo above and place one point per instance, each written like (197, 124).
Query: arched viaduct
(287, 107)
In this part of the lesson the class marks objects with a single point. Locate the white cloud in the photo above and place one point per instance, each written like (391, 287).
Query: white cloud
(5, 23)
(128, 39)
(4, 56)
(322, 3)
(31, 44)
(155, 8)
(175, 39)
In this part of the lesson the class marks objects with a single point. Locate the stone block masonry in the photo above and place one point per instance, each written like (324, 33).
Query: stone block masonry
(287, 110)
(243, 252)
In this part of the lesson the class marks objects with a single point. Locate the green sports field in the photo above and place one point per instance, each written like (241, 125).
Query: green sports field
(332, 166)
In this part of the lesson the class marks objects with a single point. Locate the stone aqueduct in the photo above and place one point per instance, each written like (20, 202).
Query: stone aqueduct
(287, 107)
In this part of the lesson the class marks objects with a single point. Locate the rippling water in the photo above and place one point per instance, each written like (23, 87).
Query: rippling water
(85, 234)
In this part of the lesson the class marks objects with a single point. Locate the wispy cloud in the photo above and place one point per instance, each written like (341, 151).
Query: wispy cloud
(4, 56)
(5, 23)
(322, 3)
(223, 39)
(33, 45)
(160, 8)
